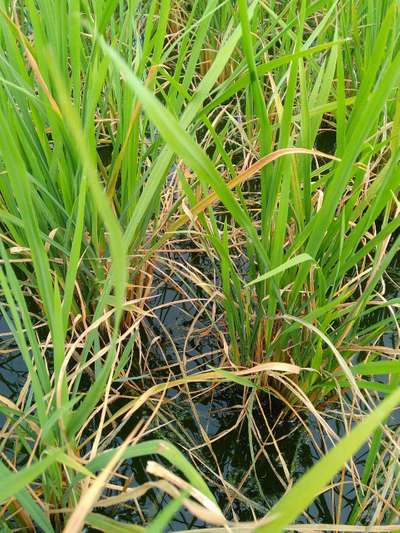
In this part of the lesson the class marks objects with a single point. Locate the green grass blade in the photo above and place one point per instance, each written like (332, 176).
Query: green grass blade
(311, 484)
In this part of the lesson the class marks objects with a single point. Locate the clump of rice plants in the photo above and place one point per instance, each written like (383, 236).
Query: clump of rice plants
(327, 235)
(266, 137)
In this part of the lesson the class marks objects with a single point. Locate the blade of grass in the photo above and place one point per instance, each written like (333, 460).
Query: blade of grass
(311, 484)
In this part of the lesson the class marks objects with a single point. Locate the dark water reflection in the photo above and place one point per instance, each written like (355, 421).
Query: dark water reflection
(219, 411)
(13, 371)
(248, 491)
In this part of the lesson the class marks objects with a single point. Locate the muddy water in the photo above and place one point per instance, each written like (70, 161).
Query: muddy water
(249, 481)
(250, 477)
(12, 367)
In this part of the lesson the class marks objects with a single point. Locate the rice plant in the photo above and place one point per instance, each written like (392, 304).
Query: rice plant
(265, 135)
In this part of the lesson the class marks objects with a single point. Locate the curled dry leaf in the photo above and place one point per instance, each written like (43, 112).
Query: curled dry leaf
(208, 510)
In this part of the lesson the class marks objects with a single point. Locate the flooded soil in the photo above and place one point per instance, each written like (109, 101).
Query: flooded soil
(246, 446)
